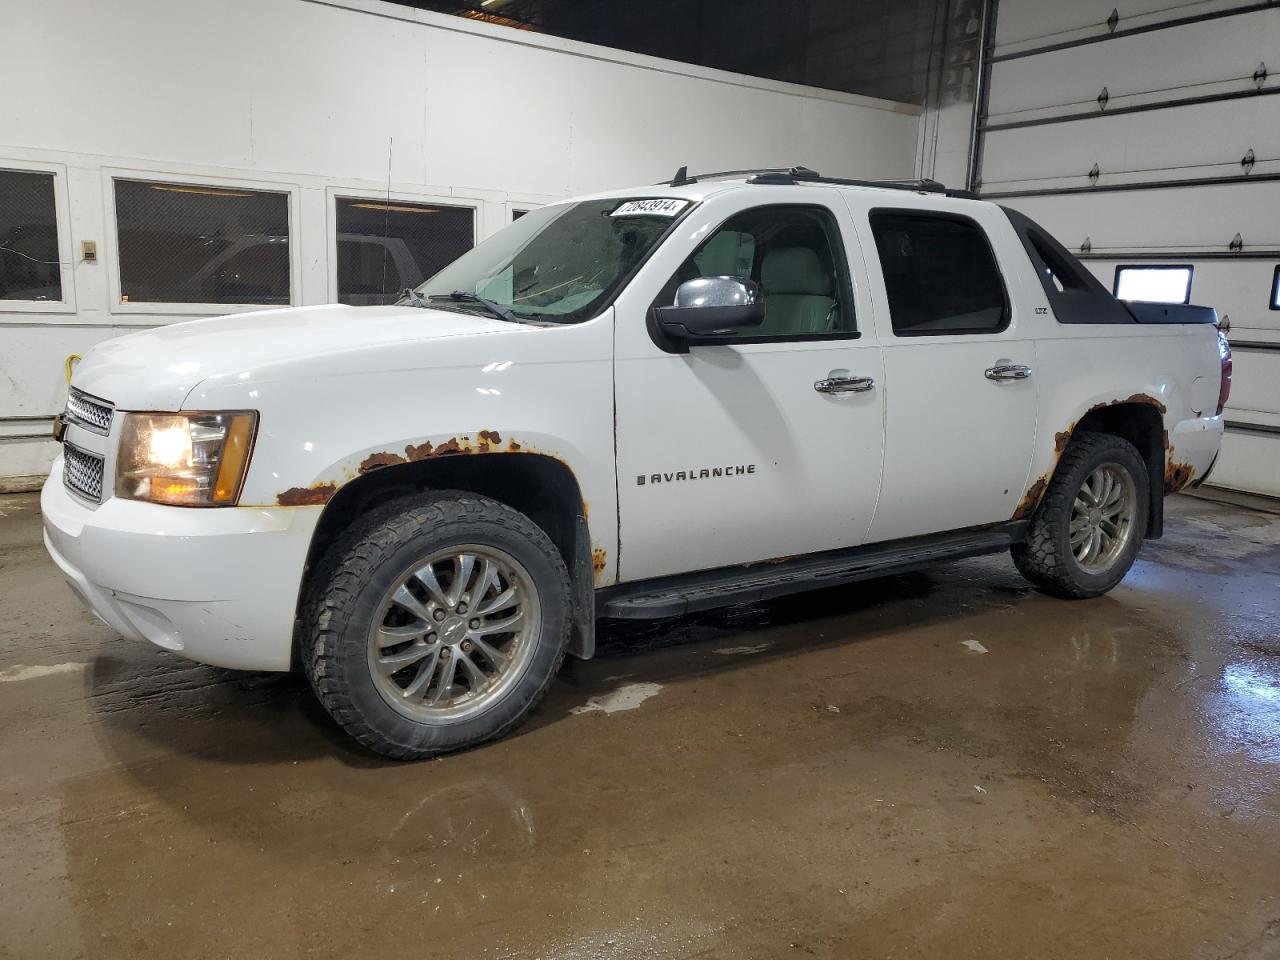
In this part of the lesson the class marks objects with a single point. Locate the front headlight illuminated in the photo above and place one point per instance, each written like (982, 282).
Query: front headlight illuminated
(185, 459)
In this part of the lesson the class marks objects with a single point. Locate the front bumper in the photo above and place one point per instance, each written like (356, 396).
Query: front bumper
(217, 585)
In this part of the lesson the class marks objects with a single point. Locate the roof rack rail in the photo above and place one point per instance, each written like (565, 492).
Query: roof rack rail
(800, 174)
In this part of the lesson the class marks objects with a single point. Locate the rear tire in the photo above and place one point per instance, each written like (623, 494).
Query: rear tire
(436, 622)
(1087, 531)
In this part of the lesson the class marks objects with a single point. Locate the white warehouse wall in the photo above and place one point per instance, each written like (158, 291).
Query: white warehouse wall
(306, 97)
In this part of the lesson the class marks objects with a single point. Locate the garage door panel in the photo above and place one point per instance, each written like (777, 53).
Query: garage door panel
(1255, 382)
(1238, 289)
(1178, 143)
(1034, 23)
(1176, 60)
(1249, 462)
(1029, 24)
(1194, 218)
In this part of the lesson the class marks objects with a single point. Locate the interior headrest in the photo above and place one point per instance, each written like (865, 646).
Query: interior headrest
(794, 270)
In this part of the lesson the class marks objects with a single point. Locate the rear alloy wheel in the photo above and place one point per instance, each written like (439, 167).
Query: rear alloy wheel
(1102, 518)
(1086, 532)
(436, 622)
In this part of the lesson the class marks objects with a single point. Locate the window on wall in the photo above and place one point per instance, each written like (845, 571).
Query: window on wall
(386, 246)
(1158, 284)
(517, 214)
(29, 267)
(1275, 289)
(188, 243)
(940, 275)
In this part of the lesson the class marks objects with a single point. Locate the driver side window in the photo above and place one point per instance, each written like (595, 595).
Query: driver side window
(795, 257)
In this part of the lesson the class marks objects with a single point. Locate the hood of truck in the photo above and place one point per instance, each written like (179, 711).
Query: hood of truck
(157, 369)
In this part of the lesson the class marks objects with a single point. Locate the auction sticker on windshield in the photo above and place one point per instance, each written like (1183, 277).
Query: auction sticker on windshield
(650, 208)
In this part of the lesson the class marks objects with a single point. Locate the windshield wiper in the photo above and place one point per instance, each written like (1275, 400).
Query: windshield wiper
(497, 309)
(413, 297)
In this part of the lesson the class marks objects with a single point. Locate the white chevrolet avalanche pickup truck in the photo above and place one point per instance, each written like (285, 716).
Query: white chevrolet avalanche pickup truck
(636, 404)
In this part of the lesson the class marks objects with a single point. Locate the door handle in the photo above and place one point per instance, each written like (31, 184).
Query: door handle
(844, 385)
(1004, 370)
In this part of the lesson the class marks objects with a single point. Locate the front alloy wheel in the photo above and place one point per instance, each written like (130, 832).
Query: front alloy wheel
(454, 634)
(436, 622)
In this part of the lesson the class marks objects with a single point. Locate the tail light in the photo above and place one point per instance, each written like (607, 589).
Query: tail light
(1224, 389)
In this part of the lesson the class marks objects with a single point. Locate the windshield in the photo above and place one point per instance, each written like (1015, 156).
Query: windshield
(559, 263)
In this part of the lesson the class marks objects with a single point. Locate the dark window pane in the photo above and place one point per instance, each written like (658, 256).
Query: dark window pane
(185, 243)
(385, 246)
(29, 267)
(940, 275)
(517, 214)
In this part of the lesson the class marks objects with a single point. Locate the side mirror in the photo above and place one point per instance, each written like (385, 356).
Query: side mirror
(711, 305)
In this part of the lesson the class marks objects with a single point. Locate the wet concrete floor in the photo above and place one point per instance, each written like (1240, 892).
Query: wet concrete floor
(944, 764)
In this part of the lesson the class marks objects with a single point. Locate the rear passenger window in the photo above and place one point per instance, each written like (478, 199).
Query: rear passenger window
(940, 274)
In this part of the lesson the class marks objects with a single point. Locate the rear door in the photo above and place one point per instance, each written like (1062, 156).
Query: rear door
(960, 364)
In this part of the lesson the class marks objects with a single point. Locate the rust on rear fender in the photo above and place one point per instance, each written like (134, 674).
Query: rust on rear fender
(1143, 398)
(1177, 475)
(1147, 399)
(1031, 499)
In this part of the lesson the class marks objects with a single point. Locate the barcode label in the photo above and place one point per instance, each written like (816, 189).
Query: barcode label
(650, 208)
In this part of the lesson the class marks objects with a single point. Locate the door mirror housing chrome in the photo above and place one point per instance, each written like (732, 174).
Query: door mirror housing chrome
(709, 306)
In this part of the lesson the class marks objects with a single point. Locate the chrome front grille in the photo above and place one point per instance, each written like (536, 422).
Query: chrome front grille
(82, 472)
(89, 412)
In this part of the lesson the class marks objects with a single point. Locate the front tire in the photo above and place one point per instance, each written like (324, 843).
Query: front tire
(1086, 532)
(435, 623)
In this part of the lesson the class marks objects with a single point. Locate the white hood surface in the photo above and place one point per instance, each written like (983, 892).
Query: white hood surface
(157, 369)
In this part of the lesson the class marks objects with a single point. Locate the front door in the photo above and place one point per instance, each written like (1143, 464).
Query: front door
(740, 450)
(960, 369)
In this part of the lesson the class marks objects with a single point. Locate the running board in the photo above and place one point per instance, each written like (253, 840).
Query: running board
(687, 593)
